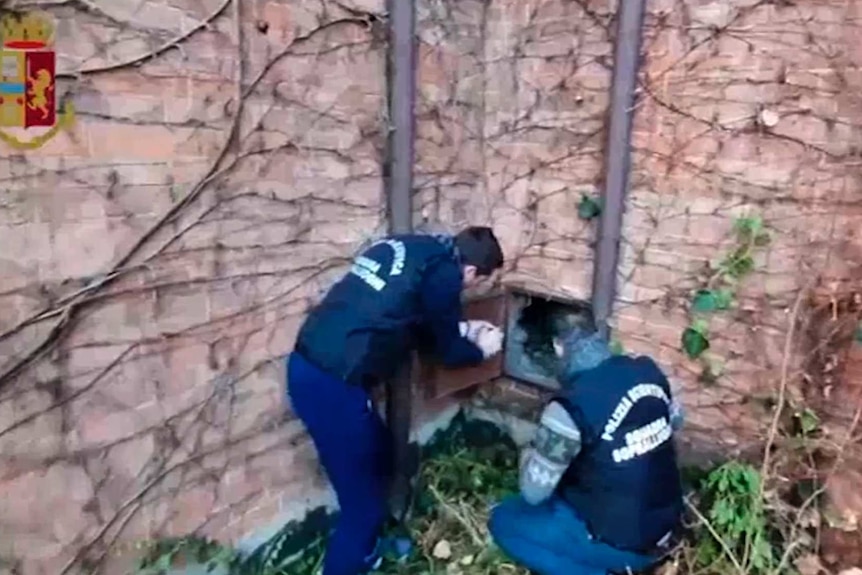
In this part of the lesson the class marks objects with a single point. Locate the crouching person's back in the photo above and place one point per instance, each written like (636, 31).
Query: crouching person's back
(600, 485)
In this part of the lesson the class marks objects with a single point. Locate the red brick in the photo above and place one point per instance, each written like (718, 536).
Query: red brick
(17, 307)
(238, 488)
(63, 202)
(181, 308)
(81, 362)
(103, 425)
(198, 100)
(190, 510)
(201, 59)
(29, 445)
(70, 142)
(189, 365)
(112, 141)
(129, 81)
(147, 200)
(282, 329)
(656, 276)
(186, 172)
(128, 459)
(26, 244)
(125, 319)
(262, 511)
(80, 249)
(139, 108)
(282, 465)
(52, 499)
(49, 558)
(257, 408)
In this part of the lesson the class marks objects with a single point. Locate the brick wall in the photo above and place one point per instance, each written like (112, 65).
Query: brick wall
(744, 108)
(153, 403)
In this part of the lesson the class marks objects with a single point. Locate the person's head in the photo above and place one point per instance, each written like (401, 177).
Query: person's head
(579, 349)
(480, 253)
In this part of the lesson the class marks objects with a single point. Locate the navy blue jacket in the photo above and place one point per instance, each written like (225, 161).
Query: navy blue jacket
(401, 292)
(625, 482)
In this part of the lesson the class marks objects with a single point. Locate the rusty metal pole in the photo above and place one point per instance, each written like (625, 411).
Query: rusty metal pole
(617, 159)
(402, 97)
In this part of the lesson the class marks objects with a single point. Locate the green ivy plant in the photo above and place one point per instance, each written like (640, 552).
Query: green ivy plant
(807, 422)
(718, 294)
(734, 506)
(589, 207)
(695, 338)
(165, 555)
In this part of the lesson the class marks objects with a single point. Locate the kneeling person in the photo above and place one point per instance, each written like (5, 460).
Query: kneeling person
(600, 486)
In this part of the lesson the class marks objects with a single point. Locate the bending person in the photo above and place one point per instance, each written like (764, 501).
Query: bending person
(400, 290)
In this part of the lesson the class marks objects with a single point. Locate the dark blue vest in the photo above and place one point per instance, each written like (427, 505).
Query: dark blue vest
(625, 482)
(371, 319)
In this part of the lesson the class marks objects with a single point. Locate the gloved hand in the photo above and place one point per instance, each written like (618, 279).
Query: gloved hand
(471, 328)
(490, 341)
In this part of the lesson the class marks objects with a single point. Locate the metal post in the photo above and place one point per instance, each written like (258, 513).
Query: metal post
(617, 158)
(402, 96)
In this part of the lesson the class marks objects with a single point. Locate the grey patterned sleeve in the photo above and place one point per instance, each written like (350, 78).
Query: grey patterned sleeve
(545, 460)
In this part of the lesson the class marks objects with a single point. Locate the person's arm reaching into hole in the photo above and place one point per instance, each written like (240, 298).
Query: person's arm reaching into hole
(441, 305)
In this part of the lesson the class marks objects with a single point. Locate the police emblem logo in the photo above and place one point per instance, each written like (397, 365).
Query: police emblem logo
(28, 105)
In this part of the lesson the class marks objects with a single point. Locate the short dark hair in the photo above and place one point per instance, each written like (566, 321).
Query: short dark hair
(478, 246)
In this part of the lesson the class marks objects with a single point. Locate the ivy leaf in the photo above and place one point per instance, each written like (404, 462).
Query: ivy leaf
(695, 339)
(694, 343)
(808, 421)
(617, 347)
(704, 301)
(748, 227)
(164, 563)
(711, 300)
(700, 326)
(588, 207)
(762, 239)
(751, 229)
(723, 298)
(739, 265)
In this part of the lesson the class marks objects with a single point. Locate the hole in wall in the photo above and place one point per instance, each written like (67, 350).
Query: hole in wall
(533, 321)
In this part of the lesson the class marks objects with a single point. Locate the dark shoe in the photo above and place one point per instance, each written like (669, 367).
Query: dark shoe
(395, 549)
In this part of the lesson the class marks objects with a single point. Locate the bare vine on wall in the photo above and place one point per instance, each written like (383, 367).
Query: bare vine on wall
(196, 443)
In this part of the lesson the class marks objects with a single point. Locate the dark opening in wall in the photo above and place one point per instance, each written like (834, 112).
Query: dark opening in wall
(533, 320)
(530, 320)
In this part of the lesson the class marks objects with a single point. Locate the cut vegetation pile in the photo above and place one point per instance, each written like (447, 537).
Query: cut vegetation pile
(468, 467)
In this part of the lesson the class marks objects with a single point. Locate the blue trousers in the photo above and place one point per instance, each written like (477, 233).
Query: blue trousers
(354, 448)
(550, 539)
